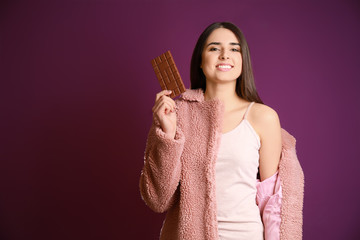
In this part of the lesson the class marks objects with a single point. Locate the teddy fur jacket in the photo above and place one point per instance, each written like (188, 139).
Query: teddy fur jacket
(179, 174)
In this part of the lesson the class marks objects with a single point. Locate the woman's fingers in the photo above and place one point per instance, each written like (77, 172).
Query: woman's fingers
(163, 107)
(164, 111)
(162, 93)
(170, 104)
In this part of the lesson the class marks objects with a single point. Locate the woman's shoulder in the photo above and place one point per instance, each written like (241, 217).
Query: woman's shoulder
(260, 111)
(263, 117)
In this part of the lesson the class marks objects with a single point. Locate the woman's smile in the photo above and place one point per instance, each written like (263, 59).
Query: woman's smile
(224, 67)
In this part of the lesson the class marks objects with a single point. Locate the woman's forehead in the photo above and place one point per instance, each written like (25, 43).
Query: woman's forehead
(223, 36)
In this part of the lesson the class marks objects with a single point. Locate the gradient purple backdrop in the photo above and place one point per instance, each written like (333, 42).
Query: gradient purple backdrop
(77, 89)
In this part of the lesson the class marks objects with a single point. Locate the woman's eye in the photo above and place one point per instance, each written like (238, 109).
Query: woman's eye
(213, 49)
(235, 50)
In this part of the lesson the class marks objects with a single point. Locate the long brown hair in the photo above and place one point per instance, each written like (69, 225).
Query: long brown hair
(245, 85)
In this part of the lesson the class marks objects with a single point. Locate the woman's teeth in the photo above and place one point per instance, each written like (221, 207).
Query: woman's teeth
(224, 66)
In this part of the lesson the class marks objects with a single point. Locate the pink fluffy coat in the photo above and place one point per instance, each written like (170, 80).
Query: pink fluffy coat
(179, 174)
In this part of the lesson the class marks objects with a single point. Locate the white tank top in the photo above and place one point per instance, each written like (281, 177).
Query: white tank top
(236, 170)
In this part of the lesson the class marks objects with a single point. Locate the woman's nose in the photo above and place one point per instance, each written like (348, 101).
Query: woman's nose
(223, 55)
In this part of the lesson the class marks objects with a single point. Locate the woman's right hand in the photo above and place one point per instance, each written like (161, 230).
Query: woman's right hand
(164, 111)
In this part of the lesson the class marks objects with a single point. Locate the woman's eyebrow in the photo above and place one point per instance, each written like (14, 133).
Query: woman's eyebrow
(218, 43)
(213, 43)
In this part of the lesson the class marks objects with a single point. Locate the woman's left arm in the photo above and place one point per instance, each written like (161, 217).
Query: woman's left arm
(269, 129)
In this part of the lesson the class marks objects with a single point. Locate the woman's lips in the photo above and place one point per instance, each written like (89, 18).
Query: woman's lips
(224, 67)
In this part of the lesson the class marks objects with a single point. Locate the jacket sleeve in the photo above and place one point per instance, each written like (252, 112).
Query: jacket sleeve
(160, 175)
(268, 198)
(292, 183)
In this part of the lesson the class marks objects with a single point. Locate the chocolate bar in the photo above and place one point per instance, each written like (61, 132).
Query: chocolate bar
(168, 74)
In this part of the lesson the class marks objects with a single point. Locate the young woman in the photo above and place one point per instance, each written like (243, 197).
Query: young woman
(212, 156)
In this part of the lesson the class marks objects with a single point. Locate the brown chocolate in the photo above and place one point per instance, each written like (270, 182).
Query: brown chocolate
(168, 74)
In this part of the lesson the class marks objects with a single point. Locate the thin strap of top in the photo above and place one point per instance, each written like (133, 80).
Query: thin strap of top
(247, 110)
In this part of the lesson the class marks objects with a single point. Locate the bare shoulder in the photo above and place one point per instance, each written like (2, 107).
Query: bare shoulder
(263, 118)
(262, 113)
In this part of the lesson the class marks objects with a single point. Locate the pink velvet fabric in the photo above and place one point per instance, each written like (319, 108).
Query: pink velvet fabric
(268, 199)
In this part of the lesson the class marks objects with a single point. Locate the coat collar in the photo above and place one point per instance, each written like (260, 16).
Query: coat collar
(194, 95)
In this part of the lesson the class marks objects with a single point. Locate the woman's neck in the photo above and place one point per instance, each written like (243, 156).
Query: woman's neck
(225, 93)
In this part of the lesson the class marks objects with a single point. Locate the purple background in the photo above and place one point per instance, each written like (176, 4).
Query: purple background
(77, 89)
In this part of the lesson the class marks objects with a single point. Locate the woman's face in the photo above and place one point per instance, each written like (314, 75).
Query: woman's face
(221, 57)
